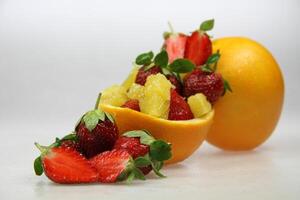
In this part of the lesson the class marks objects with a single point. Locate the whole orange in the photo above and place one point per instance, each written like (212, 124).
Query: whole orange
(245, 118)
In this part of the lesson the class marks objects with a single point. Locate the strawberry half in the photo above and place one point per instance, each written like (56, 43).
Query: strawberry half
(148, 152)
(115, 165)
(96, 132)
(179, 108)
(198, 46)
(175, 45)
(132, 104)
(64, 165)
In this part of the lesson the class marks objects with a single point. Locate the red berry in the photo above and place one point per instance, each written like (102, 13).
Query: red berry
(175, 46)
(198, 48)
(100, 139)
(132, 104)
(70, 144)
(210, 84)
(134, 147)
(142, 74)
(65, 165)
(179, 108)
(110, 164)
(175, 82)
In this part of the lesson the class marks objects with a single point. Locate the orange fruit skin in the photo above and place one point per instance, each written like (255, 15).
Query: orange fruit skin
(246, 118)
(185, 136)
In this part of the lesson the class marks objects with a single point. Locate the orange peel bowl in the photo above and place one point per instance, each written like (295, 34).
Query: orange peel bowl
(185, 136)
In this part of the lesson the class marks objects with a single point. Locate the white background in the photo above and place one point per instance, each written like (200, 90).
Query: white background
(56, 55)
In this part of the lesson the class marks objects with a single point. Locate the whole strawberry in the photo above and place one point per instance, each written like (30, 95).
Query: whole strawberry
(64, 165)
(115, 165)
(198, 46)
(96, 132)
(144, 72)
(148, 152)
(175, 82)
(210, 84)
(179, 108)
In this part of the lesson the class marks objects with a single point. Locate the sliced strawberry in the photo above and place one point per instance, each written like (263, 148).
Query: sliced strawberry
(115, 165)
(65, 165)
(132, 104)
(175, 45)
(179, 108)
(175, 82)
(198, 46)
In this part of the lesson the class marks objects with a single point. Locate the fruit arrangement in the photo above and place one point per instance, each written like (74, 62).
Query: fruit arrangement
(170, 100)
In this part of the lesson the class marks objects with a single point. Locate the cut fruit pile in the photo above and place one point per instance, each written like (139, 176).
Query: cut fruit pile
(179, 83)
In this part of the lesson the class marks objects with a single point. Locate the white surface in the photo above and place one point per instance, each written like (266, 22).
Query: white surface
(270, 172)
(55, 56)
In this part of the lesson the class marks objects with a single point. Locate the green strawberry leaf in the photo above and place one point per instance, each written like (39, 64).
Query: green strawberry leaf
(142, 161)
(207, 25)
(72, 136)
(227, 86)
(160, 150)
(144, 58)
(206, 68)
(161, 59)
(156, 166)
(130, 178)
(145, 137)
(110, 117)
(138, 174)
(181, 66)
(38, 167)
(91, 118)
(214, 58)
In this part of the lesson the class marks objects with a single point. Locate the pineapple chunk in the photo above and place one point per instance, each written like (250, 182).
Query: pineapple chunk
(156, 100)
(199, 105)
(136, 91)
(114, 95)
(131, 78)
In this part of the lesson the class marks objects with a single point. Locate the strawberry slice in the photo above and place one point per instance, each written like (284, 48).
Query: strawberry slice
(179, 108)
(65, 165)
(132, 104)
(198, 45)
(115, 165)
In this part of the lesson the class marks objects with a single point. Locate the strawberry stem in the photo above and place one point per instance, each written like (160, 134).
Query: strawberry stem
(43, 149)
(171, 27)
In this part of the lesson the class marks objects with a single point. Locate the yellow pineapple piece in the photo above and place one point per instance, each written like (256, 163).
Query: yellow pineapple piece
(156, 100)
(136, 91)
(199, 105)
(114, 95)
(131, 78)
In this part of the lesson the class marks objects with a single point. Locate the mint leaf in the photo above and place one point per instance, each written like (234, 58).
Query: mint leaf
(213, 58)
(144, 58)
(181, 66)
(160, 150)
(206, 68)
(227, 86)
(145, 138)
(161, 59)
(207, 25)
(38, 167)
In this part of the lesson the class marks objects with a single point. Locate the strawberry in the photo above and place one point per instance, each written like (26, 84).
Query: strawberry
(198, 45)
(96, 132)
(175, 45)
(144, 72)
(175, 82)
(115, 165)
(211, 84)
(179, 108)
(64, 165)
(148, 152)
(132, 104)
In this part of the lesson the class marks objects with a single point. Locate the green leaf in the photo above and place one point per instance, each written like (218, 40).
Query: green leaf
(156, 166)
(38, 167)
(100, 114)
(213, 58)
(130, 178)
(181, 66)
(161, 59)
(110, 117)
(144, 136)
(142, 161)
(206, 68)
(165, 71)
(72, 136)
(98, 100)
(91, 120)
(207, 25)
(227, 86)
(160, 150)
(138, 174)
(147, 67)
(144, 58)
